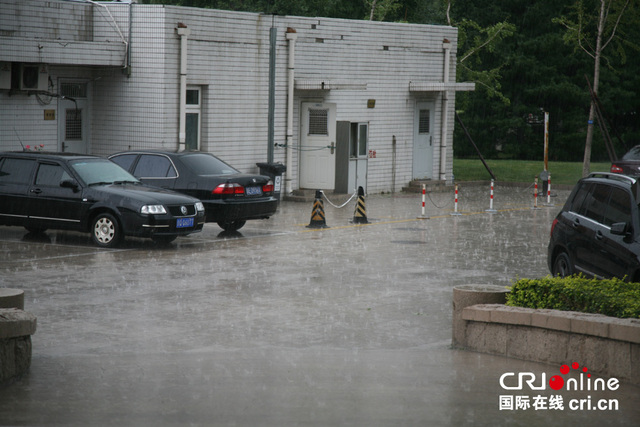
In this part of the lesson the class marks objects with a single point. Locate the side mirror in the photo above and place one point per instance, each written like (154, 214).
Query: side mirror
(621, 229)
(70, 183)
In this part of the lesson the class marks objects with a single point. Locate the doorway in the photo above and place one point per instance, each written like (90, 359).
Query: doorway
(317, 146)
(423, 141)
(74, 117)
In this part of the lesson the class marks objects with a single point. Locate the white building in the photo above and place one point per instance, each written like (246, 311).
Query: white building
(342, 103)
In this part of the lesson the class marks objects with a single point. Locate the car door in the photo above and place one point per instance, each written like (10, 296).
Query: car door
(55, 198)
(156, 169)
(589, 224)
(15, 177)
(617, 257)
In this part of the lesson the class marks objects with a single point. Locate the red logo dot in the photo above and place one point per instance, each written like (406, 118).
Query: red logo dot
(556, 382)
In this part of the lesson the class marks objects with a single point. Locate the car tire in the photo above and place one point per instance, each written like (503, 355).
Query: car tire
(232, 225)
(562, 265)
(105, 230)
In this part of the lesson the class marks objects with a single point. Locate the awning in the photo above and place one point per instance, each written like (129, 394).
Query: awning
(306, 84)
(440, 86)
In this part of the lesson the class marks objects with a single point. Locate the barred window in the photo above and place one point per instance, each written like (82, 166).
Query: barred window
(73, 124)
(73, 90)
(424, 123)
(318, 122)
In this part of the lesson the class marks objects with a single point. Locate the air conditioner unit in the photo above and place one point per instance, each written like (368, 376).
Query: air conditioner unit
(5, 75)
(34, 77)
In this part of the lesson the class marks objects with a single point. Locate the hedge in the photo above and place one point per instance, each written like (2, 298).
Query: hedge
(611, 297)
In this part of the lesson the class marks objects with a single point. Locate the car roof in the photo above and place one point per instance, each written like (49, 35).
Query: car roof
(165, 152)
(48, 155)
(620, 179)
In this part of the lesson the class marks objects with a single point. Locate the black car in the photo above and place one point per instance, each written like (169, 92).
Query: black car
(629, 164)
(41, 191)
(230, 197)
(597, 232)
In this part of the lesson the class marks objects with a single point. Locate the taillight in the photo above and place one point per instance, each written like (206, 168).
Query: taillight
(553, 225)
(616, 169)
(268, 187)
(228, 189)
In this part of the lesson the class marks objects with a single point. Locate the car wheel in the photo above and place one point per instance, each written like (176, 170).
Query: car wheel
(562, 265)
(232, 225)
(105, 230)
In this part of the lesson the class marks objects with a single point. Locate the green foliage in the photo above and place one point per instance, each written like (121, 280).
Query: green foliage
(611, 297)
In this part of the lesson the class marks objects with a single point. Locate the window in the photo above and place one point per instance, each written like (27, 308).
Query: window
(318, 122)
(424, 123)
(16, 171)
(124, 161)
(619, 208)
(192, 119)
(152, 166)
(73, 124)
(581, 194)
(50, 175)
(358, 146)
(596, 203)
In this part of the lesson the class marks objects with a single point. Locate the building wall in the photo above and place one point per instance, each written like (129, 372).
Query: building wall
(228, 58)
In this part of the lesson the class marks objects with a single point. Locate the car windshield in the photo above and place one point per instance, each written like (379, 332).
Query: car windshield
(101, 171)
(207, 164)
(633, 154)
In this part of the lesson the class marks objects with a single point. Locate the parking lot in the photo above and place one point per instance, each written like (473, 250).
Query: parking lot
(279, 324)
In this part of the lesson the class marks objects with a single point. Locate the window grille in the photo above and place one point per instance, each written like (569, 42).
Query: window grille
(73, 90)
(318, 122)
(73, 124)
(424, 122)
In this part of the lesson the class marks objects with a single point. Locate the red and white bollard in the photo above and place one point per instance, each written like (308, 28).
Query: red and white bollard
(455, 203)
(535, 193)
(491, 210)
(549, 190)
(424, 199)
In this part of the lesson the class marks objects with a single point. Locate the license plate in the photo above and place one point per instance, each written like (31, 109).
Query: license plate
(184, 222)
(253, 191)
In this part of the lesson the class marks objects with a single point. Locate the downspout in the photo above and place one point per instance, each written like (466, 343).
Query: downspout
(446, 45)
(184, 33)
(291, 37)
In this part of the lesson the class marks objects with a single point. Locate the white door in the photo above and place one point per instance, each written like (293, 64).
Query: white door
(73, 117)
(317, 146)
(423, 141)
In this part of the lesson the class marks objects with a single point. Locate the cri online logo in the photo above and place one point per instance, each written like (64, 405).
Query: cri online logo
(558, 382)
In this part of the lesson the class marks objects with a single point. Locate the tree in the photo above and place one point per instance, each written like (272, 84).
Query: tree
(583, 29)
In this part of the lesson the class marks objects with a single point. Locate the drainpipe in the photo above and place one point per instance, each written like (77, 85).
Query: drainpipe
(184, 33)
(291, 37)
(446, 46)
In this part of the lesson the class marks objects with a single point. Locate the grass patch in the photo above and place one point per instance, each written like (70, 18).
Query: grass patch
(562, 173)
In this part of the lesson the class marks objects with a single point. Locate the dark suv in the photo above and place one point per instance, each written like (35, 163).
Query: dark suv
(41, 191)
(597, 233)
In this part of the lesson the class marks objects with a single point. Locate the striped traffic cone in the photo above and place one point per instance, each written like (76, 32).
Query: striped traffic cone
(360, 215)
(317, 214)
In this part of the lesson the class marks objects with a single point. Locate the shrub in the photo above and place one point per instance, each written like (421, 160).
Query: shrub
(611, 297)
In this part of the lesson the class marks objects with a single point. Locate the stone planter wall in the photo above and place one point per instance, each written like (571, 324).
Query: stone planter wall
(16, 328)
(608, 346)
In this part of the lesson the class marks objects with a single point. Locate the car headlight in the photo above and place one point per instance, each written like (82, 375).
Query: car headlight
(153, 210)
(199, 207)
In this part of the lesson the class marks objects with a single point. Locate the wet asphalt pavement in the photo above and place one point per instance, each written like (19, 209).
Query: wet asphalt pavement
(282, 325)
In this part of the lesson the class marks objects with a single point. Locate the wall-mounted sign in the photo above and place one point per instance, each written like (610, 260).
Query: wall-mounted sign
(49, 114)
(371, 103)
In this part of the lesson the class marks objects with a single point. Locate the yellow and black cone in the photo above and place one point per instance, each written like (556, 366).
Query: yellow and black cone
(360, 215)
(317, 214)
